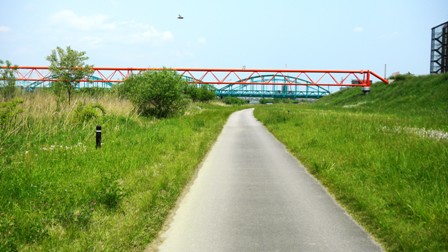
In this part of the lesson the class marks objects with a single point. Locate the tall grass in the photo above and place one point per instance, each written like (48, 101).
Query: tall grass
(378, 161)
(57, 192)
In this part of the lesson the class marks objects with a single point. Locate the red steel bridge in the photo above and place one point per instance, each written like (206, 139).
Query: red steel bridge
(276, 83)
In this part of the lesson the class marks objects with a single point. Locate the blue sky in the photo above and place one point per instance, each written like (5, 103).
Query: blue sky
(291, 34)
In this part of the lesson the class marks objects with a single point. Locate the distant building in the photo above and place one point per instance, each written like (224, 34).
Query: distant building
(439, 49)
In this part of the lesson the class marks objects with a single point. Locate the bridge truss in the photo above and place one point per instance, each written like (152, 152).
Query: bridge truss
(285, 83)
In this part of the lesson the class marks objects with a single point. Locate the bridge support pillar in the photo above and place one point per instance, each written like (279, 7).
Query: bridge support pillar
(366, 83)
(365, 90)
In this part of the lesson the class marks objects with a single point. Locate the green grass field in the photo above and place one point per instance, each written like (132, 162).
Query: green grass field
(58, 192)
(384, 156)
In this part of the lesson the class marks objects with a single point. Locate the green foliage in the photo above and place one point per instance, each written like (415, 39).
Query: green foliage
(8, 111)
(234, 101)
(402, 77)
(156, 93)
(94, 91)
(69, 67)
(266, 100)
(111, 191)
(7, 80)
(86, 112)
(204, 93)
(276, 100)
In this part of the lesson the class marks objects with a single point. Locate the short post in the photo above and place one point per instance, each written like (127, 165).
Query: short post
(98, 136)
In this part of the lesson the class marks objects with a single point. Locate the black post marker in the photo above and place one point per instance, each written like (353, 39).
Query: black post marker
(98, 136)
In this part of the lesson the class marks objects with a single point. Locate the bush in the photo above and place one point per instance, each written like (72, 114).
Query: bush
(9, 110)
(86, 112)
(204, 93)
(111, 191)
(234, 101)
(93, 91)
(402, 77)
(8, 81)
(156, 93)
(276, 100)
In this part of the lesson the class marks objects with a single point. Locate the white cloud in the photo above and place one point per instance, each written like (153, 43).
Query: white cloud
(389, 36)
(151, 34)
(4, 28)
(202, 40)
(358, 29)
(67, 18)
(92, 41)
(100, 29)
(183, 54)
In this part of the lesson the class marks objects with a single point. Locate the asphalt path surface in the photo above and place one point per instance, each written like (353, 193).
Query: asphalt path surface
(250, 194)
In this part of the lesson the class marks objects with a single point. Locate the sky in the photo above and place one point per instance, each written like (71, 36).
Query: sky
(280, 34)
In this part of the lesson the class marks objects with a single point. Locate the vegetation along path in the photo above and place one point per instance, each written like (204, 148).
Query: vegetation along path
(252, 195)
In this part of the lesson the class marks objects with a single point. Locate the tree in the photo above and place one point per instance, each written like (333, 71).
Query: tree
(7, 79)
(156, 93)
(69, 67)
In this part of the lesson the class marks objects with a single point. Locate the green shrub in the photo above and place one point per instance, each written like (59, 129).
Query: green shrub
(156, 93)
(234, 101)
(86, 112)
(93, 91)
(9, 110)
(276, 100)
(402, 77)
(111, 191)
(204, 93)
(7, 80)
(266, 100)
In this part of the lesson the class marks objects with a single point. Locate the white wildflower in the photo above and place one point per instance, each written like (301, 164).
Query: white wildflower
(420, 132)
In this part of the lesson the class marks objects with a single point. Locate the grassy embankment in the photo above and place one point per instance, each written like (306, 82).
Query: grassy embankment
(57, 192)
(384, 156)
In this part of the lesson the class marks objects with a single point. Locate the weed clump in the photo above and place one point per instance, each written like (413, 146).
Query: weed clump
(86, 112)
(110, 191)
(9, 110)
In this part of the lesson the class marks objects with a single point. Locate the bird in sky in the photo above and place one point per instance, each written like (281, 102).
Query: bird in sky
(180, 17)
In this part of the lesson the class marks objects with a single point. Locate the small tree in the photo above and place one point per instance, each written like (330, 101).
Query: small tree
(156, 93)
(69, 67)
(7, 79)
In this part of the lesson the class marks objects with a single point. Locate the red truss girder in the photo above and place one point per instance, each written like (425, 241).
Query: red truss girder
(223, 76)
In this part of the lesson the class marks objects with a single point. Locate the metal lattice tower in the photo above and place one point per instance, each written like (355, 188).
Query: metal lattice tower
(439, 49)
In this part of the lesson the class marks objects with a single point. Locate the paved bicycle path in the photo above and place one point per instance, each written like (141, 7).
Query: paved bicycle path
(251, 195)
